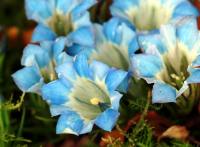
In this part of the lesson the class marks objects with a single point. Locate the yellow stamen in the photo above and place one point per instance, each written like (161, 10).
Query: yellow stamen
(95, 101)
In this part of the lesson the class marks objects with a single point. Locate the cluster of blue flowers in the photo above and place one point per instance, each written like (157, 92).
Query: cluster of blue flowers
(82, 68)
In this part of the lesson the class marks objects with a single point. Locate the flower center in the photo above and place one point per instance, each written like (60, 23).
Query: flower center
(89, 98)
(112, 55)
(95, 101)
(48, 73)
(176, 62)
(150, 15)
(61, 24)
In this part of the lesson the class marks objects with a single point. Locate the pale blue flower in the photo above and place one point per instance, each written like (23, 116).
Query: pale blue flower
(57, 18)
(40, 61)
(84, 95)
(171, 60)
(148, 15)
(115, 42)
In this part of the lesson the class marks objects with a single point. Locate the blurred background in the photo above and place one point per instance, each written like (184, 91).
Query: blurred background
(15, 33)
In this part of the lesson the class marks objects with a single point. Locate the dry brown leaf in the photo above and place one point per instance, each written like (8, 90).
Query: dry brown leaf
(176, 132)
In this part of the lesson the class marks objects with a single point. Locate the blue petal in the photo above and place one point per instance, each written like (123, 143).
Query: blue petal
(129, 38)
(99, 69)
(83, 20)
(107, 119)
(67, 70)
(120, 8)
(75, 49)
(114, 78)
(119, 32)
(185, 8)
(99, 34)
(39, 10)
(123, 87)
(42, 33)
(115, 98)
(65, 6)
(87, 127)
(47, 46)
(35, 54)
(163, 93)
(69, 122)
(188, 25)
(58, 46)
(66, 82)
(56, 110)
(168, 36)
(62, 58)
(152, 42)
(112, 31)
(55, 92)
(146, 66)
(81, 65)
(82, 36)
(133, 46)
(194, 76)
(28, 79)
(196, 62)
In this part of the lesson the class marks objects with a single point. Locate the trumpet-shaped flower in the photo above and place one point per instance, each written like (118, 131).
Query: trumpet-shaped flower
(171, 60)
(115, 42)
(40, 61)
(61, 18)
(148, 15)
(84, 95)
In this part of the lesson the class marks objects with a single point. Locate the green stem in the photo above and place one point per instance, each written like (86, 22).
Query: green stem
(14, 106)
(22, 122)
(147, 105)
(141, 121)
